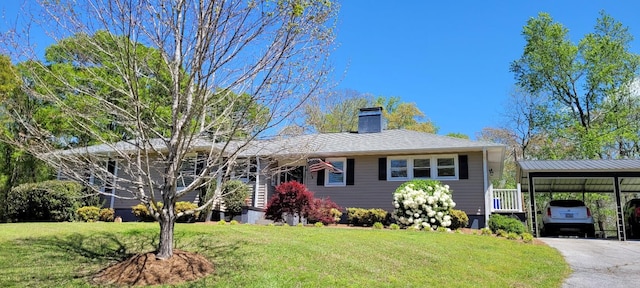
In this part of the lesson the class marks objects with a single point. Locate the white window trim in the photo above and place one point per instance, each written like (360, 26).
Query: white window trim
(344, 172)
(433, 163)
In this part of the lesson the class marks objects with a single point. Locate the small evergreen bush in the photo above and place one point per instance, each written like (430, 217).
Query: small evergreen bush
(378, 225)
(486, 231)
(222, 222)
(527, 237)
(319, 224)
(508, 224)
(142, 213)
(233, 222)
(394, 226)
(88, 213)
(513, 236)
(184, 206)
(366, 217)
(459, 219)
(107, 215)
(234, 194)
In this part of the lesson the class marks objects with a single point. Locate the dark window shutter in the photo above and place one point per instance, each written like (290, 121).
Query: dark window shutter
(463, 165)
(320, 177)
(350, 171)
(382, 168)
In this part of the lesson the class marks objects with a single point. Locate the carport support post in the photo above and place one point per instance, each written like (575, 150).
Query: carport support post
(532, 208)
(622, 234)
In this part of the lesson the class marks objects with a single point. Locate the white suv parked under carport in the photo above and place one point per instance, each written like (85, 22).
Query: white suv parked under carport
(564, 217)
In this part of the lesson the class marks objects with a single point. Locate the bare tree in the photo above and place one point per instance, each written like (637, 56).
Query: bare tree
(229, 72)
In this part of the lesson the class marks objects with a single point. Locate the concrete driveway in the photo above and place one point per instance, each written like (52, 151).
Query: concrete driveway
(599, 263)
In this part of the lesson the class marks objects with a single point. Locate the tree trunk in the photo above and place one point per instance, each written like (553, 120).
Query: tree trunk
(167, 222)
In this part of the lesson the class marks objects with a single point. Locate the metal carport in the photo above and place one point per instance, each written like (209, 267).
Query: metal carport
(579, 176)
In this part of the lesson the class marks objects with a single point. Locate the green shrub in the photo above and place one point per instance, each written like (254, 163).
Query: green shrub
(486, 231)
(142, 213)
(378, 225)
(394, 226)
(336, 214)
(366, 217)
(501, 233)
(234, 194)
(233, 222)
(300, 225)
(184, 206)
(319, 224)
(527, 237)
(508, 224)
(107, 215)
(459, 219)
(222, 222)
(52, 200)
(88, 213)
(443, 229)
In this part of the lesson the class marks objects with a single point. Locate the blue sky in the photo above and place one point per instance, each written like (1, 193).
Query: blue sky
(450, 58)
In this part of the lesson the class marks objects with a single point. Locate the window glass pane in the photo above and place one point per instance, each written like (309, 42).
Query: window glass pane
(421, 168)
(421, 162)
(445, 162)
(187, 171)
(443, 172)
(399, 168)
(336, 178)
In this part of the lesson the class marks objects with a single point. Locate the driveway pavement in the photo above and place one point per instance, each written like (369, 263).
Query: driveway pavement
(599, 263)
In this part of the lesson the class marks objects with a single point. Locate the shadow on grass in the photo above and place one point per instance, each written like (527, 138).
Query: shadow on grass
(106, 248)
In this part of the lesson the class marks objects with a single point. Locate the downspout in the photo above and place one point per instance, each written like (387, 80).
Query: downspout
(113, 185)
(485, 179)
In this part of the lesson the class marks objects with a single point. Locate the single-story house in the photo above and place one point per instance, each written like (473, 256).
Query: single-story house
(373, 161)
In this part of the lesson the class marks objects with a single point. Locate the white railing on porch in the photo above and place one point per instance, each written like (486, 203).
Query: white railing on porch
(260, 196)
(505, 200)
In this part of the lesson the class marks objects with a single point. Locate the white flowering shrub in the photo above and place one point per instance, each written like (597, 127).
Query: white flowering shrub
(423, 204)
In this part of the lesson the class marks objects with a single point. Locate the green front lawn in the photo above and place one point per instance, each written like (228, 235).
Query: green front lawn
(67, 254)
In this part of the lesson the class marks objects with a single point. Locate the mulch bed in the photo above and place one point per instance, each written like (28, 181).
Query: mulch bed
(145, 269)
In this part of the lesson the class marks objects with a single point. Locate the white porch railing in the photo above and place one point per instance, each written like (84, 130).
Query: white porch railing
(505, 200)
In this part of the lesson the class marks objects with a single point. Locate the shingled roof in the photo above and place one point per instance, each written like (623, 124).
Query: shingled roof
(386, 142)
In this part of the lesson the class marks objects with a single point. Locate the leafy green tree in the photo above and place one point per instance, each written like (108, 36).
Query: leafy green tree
(586, 84)
(403, 115)
(458, 135)
(16, 165)
(339, 113)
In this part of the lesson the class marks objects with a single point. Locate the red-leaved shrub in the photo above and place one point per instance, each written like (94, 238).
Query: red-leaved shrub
(324, 210)
(292, 198)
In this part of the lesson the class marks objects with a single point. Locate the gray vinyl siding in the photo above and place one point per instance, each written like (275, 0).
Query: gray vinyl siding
(126, 189)
(369, 192)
